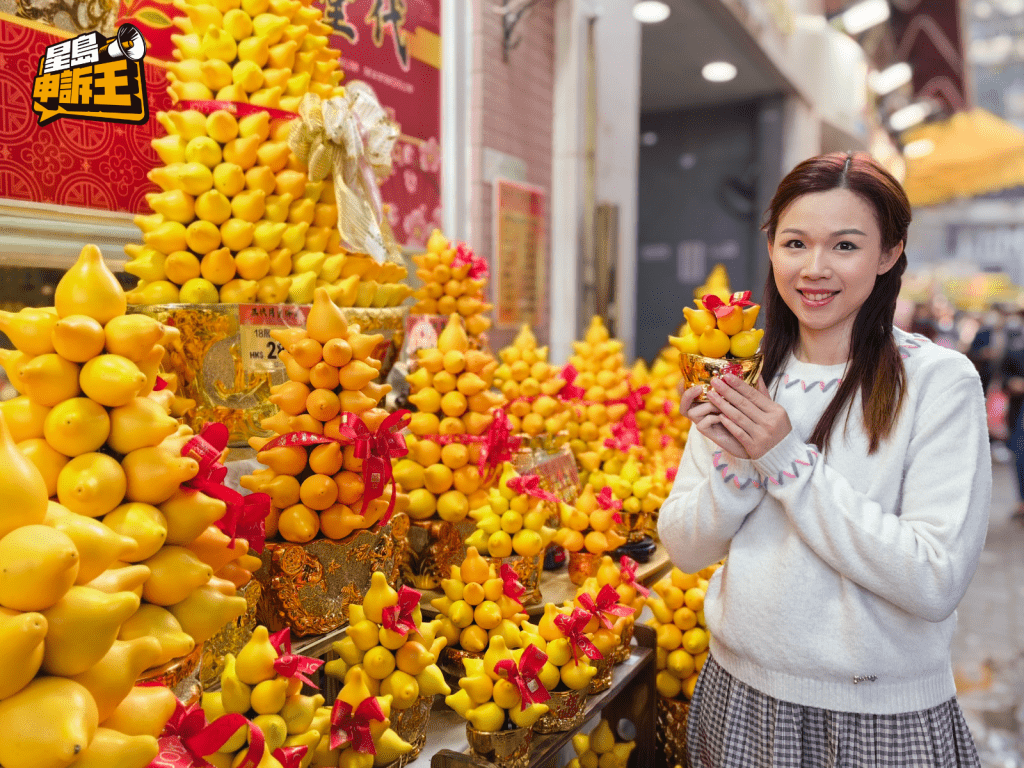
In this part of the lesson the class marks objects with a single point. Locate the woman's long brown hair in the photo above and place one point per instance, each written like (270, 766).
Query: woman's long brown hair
(875, 368)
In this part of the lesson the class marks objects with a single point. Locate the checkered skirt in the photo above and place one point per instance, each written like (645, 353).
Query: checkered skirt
(732, 725)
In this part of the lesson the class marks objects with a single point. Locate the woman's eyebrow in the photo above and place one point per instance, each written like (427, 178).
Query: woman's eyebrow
(850, 231)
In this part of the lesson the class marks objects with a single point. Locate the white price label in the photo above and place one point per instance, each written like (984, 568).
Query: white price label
(260, 352)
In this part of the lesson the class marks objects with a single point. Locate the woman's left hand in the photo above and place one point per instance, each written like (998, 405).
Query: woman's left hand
(756, 421)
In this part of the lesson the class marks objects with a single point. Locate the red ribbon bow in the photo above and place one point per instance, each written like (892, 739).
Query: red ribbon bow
(512, 587)
(605, 500)
(714, 304)
(348, 727)
(290, 757)
(525, 676)
(398, 618)
(667, 407)
(245, 516)
(530, 485)
(498, 446)
(570, 391)
(572, 626)
(290, 665)
(670, 473)
(478, 269)
(627, 572)
(625, 433)
(607, 604)
(634, 401)
(187, 738)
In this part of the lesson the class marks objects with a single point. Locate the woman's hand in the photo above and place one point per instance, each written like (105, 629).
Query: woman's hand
(750, 416)
(707, 419)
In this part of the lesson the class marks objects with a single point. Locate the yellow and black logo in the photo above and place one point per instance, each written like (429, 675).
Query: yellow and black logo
(90, 77)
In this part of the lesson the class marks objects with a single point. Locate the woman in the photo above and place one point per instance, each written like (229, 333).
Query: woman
(851, 499)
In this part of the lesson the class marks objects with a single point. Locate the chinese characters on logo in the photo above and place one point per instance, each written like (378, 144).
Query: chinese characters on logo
(93, 78)
(384, 17)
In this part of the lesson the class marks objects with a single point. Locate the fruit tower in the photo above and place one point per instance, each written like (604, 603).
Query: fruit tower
(511, 520)
(600, 748)
(451, 390)
(315, 481)
(454, 281)
(590, 525)
(532, 386)
(682, 635)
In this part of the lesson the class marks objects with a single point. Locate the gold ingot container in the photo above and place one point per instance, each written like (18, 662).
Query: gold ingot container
(411, 725)
(228, 371)
(430, 548)
(623, 649)
(633, 526)
(602, 681)
(450, 661)
(565, 712)
(232, 636)
(506, 749)
(583, 565)
(181, 675)
(309, 587)
(528, 569)
(700, 370)
(671, 729)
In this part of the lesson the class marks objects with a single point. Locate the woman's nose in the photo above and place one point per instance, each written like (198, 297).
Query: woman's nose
(816, 265)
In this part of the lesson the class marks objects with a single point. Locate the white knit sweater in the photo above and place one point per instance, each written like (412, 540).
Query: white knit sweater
(844, 570)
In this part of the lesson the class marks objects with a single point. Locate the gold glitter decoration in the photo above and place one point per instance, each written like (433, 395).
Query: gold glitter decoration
(411, 725)
(231, 637)
(583, 565)
(565, 712)
(602, 681)
(623, 649)
(671, 730)
(697, 369)
(528, 569)
(180, 675)
(430, 548)
(309, 587)
(506, 749)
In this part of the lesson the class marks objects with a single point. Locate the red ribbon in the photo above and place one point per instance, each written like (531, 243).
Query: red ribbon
(525, 676)
(605, 500)
(187, 728)
(665, 441)
(627, 573)
(670, 473)
(237, 108)
(714, 304)
(625, 434)
(667, 408)
(245, 516)
(570, 391)
(530, 485)
(290, 757)
(290, 665)
(478, 269)
(160, 384)
(398, 618)
(607, 604)
(572, 626)
(634, 401)
(512, 586)
(348, 727)
(499, 445)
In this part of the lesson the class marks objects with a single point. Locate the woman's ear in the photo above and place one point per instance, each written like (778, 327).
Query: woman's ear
(889, 258)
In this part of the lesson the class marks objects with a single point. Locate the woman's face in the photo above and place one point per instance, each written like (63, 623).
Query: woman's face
(826, 254)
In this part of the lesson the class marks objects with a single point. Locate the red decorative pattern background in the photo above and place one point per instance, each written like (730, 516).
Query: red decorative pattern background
(82, 163)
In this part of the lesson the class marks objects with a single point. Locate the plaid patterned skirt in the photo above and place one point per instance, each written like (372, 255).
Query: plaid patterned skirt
(732, 725)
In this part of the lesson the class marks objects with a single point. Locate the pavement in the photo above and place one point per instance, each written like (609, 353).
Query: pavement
(988, 646)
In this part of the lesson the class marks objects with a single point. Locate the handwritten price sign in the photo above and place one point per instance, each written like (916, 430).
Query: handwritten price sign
(260, 352)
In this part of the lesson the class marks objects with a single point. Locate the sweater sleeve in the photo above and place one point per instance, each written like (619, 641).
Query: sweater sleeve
(712, 495)
(922, 558)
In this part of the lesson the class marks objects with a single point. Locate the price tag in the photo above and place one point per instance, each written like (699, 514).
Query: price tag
(260, 352)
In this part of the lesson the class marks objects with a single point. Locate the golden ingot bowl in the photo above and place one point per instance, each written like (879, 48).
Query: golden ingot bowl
(181, 675)
(232, 637)
(506, 749)
(582, 565)
(451, 663)
(700, 370)
(623, 649)
(565, 712)
(671, 730)
(411, 726)
(602, 681)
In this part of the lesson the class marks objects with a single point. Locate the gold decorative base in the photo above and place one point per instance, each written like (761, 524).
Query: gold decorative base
(411, 725)
(180, 675)
(450, 663)
(565, 712)
(528, 569)
(623, 650)
(231, 637)
(309, 587)
(430, 549)
(506, 749)
(697, 369)
(583, 565)
(633, 526)
(671, 729)
(602, 681)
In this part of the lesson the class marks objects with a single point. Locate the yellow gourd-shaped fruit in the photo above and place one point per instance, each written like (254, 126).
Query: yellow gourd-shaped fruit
(453, 337)
(142, 523)
(155, 473)
(176, 574)
(355, 690)
(21, 649)
(12, 362)
(157, 622)
(602, 739)
(496, 651)
(25, 419)
(234, 694)
(82, 626)
(113, 749)
(140, 423)
(299, 711)
(745, 343)
(47, 724)
(389, 747)
(143, 712)
(189, 513)
(325, 321)
(121, 577)
(30, 329)
(92, 484)
(577, 676)
(208, 609)
(50, 379)
(76, 426)
(486, 717)
(381, 595)
(46, 459)
(21, 486)
(113, 676)
(255, 661)
(474, 568)
(38, 565)
(402, 687)
(97, 545)
(525, 718)
(90, 288)
(132, 336)
(268, 697)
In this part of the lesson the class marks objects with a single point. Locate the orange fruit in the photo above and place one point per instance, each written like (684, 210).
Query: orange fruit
(337, 352)
(326, 459)
(437, 478)
(318, 492)
(285, 459)
(467, 478)
(451, 425)
(350, 487)
(424, 424)
(298, 523)
(444, 382)
(290, 397)
(333, 524)
(352, 463)
(323, 376)
(595, 542)
(422, 504)
(455, 455)
(452, 403)
(323, 404)
(427, 452)
(307, 352)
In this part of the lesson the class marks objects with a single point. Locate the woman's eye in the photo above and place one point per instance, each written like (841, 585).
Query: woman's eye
(793, 244)
(846, 245)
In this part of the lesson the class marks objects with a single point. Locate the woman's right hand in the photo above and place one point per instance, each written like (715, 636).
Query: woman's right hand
(708, 421)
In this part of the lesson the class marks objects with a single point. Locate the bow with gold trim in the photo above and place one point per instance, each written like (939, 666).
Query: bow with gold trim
(398, 618)
(525, 676)
(353, 727)
(607, 604)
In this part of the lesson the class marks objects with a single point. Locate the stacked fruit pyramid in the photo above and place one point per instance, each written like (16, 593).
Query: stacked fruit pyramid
(562, 632)
(454, 281)
(682, 635)
(717, 328)
(659, 422)
(510, 522)
(590, 524)
(599, 749)
(625, 487)
(531, 385)
(254, 684)
(479, 603)
(357, 708)
(451, 390)
(318, 487)
(113, 457)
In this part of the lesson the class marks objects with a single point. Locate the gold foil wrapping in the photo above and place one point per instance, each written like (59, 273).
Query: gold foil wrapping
(565, 712)
(602, 681)
(411, 725)
(623, 649)
(697, 369)
(180, 675)
(429, 550)
(633, 526)
(310, 586)
(506, 749)
(528, 569)
(671, 730)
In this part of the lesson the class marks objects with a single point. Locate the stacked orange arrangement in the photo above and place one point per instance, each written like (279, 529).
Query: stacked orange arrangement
(454, 281)
(531, 385)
